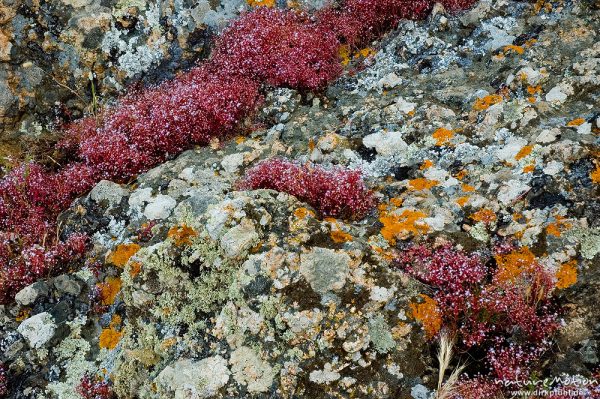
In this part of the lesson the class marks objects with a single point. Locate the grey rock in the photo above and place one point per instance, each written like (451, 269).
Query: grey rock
(325, 269)
(38, 330)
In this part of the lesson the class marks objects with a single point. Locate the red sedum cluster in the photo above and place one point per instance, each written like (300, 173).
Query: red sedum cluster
(509, 317)
(265, 47)
(335, 192)
(94, 388)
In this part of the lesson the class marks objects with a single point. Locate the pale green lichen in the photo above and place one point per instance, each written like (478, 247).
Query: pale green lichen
(589, 240)
(479, 232)
(380, 335)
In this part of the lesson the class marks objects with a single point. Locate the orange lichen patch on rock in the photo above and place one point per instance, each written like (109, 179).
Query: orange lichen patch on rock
(484, 215)
(481, 104)
(240, 139)
(261, 3)
(461, 175)
(120, 256)
(421, 184)
(426, 164)
(401, 226)
(468, 188)
(339, 236)
(109, 290)
(397, 202)
(428, 314)
(514, 49)
(442, 136)
(555, 229)
(529, 168)
(109, 338)
(566, 276)
(461, 201)
(514, 264)
(595, 175)
(523, 152)
(182, 235)
(301, 213)
(533, 90)
(135, 269)
(576, 122)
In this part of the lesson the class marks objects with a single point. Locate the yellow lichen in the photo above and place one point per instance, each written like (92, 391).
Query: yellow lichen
(566, 276)
(428, 314)
(344, 53)
(301, 213)
(481, 104)
(120, 256)
(442, 136)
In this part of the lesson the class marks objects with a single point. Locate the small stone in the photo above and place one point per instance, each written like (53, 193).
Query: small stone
(239, 239)
(107, 191)
(160, 207)
(325, 269)
(419, 392)
(325, 376)
(386, 143)
(38, 330)
(29, 294)
(189, 379)
(67, 285)
(249, 369)
(231, 163)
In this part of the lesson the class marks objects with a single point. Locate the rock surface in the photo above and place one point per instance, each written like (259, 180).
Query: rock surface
(471, 128)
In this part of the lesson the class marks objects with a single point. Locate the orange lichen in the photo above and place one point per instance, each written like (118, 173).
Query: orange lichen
(461, 175)
(533, 90)
(484, 215)
(514, 264)
(339, 236)
(182, 235)
(513, 48)
(109, 338)
(301, 213)
(422, 184)
(120, 256)
(555, 229)
(576, 122)
(261, 3)
(529, 168)
(595, 175)
(109, 290)
(397, 202)
(428, 314)
(240, 139)
(402, 225)
(426, 164)
(566, 276)
(481, 104)
(442, 136)
(468, 188)
(136, 268)
(461, 201)
(524, 152)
